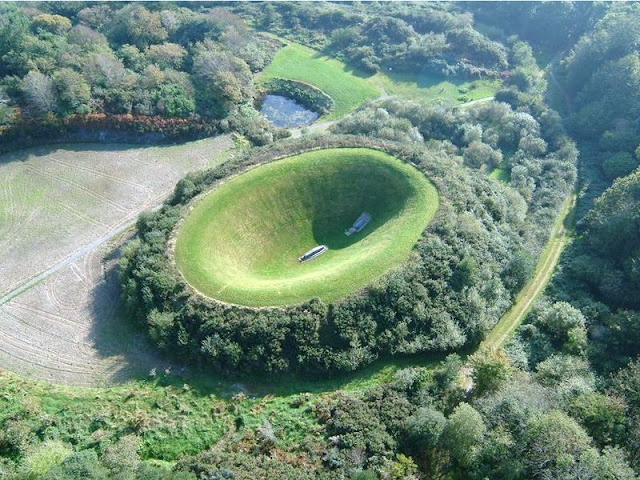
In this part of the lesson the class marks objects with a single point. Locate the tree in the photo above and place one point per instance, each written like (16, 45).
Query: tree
(423, 437)
(42, 458)
(518, 270)
(73, 92)
(462, 434)
(56, 24)
(552, 442)
(136, 25)
(174, 100)
(619, 165)
(602, 415)
(424, 429)
(167, 55)
(465, 273)
(490, 370)
(479, 154)
(121, 458)
(558, 320)
(79, 465)
(39, 92)
(613, 233)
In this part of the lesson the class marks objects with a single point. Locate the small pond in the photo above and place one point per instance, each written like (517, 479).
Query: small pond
(286, 113)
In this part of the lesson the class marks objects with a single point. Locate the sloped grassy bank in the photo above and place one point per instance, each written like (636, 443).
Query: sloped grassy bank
(241, 242)
(445, 296)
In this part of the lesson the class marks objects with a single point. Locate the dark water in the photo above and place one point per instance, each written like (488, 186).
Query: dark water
(284, 112)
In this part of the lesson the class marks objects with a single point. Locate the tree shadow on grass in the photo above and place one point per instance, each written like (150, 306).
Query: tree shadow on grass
(115, 333)
(24, 154)
(331, 232)
(382, 197)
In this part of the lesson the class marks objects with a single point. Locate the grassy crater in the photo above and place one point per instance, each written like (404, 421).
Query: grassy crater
(241, 242)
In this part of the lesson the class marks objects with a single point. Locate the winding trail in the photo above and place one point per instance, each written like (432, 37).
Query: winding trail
(560, 236)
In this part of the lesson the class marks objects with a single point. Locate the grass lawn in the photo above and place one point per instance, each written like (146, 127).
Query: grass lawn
(432, 87)
(350, 88)
(347, 88)
(174, 418)
(241, 242)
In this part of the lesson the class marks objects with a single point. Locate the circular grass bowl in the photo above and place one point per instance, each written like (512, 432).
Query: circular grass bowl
(241, 242)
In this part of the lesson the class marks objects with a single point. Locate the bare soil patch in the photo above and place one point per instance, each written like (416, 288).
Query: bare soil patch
(57, 205)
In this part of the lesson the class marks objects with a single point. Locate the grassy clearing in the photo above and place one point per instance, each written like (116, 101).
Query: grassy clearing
(500, 174)
(435, 88)
(347, 88)
(174, 418)
(241, 242)
(558, 239)
(350, 88)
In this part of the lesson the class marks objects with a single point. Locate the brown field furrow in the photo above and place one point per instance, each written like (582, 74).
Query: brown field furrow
(9, 224)
(60, 319)
(20, 224)
(81, 275)
(13, 344)
(150, 164)
(30, 361)
(82, 217)
(54, 299)
(53, 319)
(71, 339)
(91, 266)
(84, 189)
(98, 173)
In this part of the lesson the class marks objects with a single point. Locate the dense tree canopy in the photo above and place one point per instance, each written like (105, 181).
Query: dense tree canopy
(560, 401)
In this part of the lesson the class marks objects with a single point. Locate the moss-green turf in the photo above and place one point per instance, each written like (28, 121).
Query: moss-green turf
(347, 89)
(241, 242)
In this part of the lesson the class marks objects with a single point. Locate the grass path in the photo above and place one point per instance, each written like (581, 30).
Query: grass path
(558, 239)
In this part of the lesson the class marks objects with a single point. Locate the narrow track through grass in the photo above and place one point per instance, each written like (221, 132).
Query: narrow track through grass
(560, 236)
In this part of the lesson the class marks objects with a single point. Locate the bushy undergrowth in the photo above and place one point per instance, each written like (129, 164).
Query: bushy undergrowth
(306, 95)
(454, 287)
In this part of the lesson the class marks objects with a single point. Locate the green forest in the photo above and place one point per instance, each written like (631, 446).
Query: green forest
(525, 116)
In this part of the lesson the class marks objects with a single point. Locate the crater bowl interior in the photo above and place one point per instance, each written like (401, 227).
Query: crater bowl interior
(241, 242)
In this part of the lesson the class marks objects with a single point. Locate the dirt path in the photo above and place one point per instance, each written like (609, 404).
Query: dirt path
(65, 262)
(558, 239)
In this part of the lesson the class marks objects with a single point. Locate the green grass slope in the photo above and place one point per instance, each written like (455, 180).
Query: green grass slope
(432, 87)
(350, 88)
(347, 89)
(241, 242)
